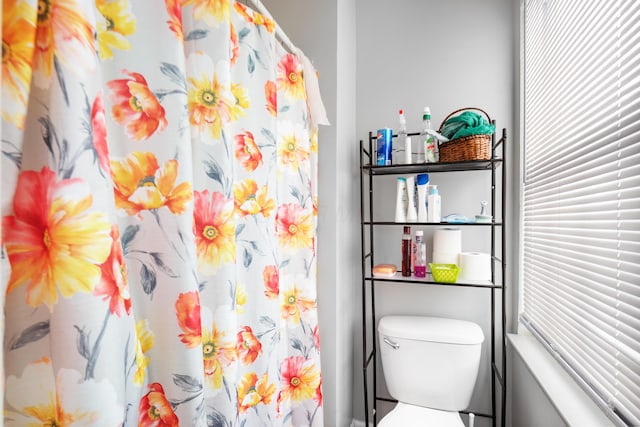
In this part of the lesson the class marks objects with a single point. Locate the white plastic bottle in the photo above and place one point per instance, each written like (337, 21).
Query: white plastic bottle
(401, 200)
(412, 213)
(434, 208)
(423, 184)
(430, 144)
(420, 265)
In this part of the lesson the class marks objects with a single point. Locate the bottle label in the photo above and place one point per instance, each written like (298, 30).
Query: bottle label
(420, 271)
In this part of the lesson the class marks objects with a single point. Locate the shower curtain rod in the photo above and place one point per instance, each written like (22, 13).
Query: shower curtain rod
(257, 4)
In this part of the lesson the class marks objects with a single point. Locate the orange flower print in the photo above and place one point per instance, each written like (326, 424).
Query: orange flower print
(174, 9)
(214, 230)
(251, 200)
(271, 95)
(44, 397)
(212, 12)
(113, 284)
(136, 107)
(235, 48)
(64, 32)
(300, 378)
(318, 396)
(316, 337)
(188, 313)
(144, 342)
(52, 241)
(217, 352)
(293, 303)
(247, 151)
(117, 22)
(294, 226)
(271, 281)
(140, 184)
(254, 17)
(18, 33)
(293, 143)
(290, 77)
(253, 391)
(241, 103)
(209, 96)
(249, 347)
(99, 133)
(155, 410)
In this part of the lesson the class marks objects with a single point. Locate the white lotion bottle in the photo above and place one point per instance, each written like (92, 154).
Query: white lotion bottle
(412, 213)
(423, 184)
(434, 209)
(401, 200)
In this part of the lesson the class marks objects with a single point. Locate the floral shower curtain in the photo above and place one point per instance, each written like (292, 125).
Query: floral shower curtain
(158, 217)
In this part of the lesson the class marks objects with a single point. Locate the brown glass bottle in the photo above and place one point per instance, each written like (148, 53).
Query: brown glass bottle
(406, 252)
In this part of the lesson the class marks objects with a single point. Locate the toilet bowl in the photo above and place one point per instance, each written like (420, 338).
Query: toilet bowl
(406, 415)
(430, 366)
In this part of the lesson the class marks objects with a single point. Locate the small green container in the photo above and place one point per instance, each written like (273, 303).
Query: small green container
(445, 273)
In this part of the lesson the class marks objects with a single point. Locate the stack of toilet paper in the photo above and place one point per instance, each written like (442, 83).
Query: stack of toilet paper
(447, 249)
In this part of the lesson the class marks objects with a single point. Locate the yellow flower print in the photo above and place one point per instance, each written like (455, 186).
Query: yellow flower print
(218, 352)
(253, 391)
(18, 30)
(241, 298)
(140, 184)
(241, 101)
(290, 77)
(213, 230)
(118, 23)
(52, 241)
(300, 378)
(294, 226)
(251, 200)
(293, 146)
(144, 343)
(44, 397)
(313, 136)
(64, 32)
(209, 96)
(212, 12)
(293, 303)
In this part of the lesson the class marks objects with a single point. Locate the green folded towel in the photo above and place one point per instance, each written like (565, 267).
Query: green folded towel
(465, 124)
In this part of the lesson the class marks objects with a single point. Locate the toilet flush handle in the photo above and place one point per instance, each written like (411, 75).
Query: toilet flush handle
(391, 343)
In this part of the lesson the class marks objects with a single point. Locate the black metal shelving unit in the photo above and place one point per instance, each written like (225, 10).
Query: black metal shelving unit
(497, 290)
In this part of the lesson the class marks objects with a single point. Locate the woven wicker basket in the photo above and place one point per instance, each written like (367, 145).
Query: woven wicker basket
(472, 147)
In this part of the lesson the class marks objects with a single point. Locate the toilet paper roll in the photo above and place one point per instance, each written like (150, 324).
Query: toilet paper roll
(474, 266)
(447, 242)
(446, 257)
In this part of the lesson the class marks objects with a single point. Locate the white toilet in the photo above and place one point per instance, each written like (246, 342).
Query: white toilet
(430, 366)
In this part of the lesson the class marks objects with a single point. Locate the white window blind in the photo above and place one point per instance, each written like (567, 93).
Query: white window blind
(581, 193)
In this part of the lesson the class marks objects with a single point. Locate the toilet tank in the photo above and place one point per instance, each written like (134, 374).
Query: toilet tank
(430, 361)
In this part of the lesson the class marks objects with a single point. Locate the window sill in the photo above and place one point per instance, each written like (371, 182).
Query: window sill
(574, 406)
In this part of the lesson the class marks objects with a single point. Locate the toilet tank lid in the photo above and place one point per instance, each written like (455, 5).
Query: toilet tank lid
(433, 329)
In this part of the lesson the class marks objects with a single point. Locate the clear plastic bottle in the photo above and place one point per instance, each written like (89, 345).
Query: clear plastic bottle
(430, 144)
(420, 264)
(406, 252)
